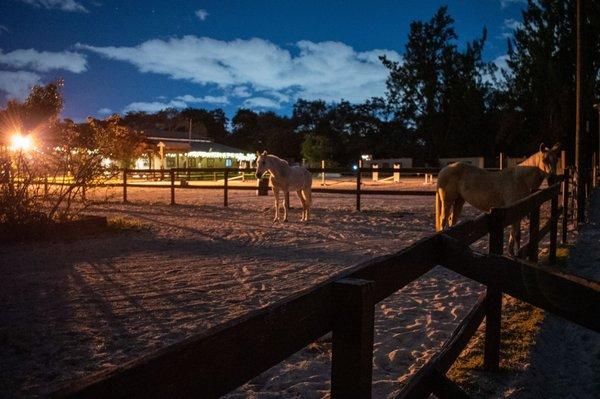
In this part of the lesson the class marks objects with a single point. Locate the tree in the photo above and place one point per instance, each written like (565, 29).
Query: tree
(316, 148)
(117, 141)
(437, 91)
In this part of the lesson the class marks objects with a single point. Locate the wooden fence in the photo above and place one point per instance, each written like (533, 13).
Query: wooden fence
(217, 361)
(175, 179)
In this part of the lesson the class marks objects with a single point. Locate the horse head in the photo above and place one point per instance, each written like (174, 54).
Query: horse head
(261, 164)
(548, 159)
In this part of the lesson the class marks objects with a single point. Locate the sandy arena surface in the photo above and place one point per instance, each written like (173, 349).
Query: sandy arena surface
(72, 308)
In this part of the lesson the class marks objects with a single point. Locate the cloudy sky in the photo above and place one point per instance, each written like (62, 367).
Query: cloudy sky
(119, 56)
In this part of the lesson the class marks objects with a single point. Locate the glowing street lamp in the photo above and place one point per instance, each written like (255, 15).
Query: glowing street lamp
(20, 142)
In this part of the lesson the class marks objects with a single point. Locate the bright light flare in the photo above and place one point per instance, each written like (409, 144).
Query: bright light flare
(21, 143)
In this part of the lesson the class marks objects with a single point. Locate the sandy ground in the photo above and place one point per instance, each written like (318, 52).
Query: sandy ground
(72, 308)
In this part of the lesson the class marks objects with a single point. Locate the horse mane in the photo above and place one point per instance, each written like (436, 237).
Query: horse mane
(276, 158)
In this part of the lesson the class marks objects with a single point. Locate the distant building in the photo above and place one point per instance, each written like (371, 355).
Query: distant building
(170, 149)
(475, 161)
(387, 162)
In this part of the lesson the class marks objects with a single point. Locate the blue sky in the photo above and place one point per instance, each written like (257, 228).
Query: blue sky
(117, 56)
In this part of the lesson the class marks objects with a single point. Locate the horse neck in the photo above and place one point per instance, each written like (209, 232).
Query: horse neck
(534, 160)
(278, 167)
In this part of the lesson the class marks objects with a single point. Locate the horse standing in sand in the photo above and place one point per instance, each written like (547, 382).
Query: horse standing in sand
(484, 190)
(286, 178)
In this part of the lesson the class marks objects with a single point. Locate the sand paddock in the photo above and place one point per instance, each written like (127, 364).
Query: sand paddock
(72, 308)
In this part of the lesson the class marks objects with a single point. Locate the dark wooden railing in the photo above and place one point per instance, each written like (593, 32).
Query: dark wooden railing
(217, 361)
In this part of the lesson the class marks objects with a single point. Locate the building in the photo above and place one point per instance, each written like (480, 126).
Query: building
(173, 149)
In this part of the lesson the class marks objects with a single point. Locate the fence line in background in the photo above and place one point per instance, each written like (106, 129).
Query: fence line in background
(217, 361)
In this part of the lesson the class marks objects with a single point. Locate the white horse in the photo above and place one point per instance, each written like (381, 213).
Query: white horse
(286, 178)
(484, 190)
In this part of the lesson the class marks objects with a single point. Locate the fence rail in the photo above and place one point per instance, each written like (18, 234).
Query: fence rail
(176, 179)
(224, 357)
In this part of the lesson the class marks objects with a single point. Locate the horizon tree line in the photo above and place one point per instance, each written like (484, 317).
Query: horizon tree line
(442, 100)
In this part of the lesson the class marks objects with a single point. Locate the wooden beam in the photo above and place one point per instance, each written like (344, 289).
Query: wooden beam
(352, 340)
(445, 388)
(572, 297)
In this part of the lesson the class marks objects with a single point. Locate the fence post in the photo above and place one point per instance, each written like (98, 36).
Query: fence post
(322, 173)
(352, 339)
(125, 185)
(225, 188)
(358, 186)
(565, 205)
(493, 297)
(501, 161)
(396, 173)
(553, 227)
(172, 174)
(534, 234)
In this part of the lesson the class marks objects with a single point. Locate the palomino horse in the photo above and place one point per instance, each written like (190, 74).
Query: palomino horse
(484, 190)
(286, 178)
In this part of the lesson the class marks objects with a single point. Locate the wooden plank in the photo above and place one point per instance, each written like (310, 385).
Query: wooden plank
(569, 296)
(521, 208)
(420, 385)
(444, 388)
(218, 360)
(493, 311)
(554, 215)
(565, 206)
(352, 339)
(469, 231)
(358, 183)
(534, 229)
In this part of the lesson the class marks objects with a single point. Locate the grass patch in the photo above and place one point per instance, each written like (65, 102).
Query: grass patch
(119, 223)
(520, 324)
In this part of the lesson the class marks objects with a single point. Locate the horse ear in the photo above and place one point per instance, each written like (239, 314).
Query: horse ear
(556, 147)
(543, 147)
(264, 152)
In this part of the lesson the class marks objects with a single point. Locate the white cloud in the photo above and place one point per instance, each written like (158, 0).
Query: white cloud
(241, 91)
(501, 63)
(327, 70)
(16, 85)
(64, 5)
(206, 99)
(104, 111)
(202, 14)
(44, 61)
(509, 26)
(153, 106)
(261, 102)
(508, 3)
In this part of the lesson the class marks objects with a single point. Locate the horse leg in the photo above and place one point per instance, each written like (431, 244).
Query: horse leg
(276, 194)
(445, 211)
(514, 239)
(286, 203)
(307, 193)
(299, 192)
(456, 210)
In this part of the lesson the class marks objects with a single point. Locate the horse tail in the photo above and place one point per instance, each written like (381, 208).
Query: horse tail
(438, 210)
(307, 192)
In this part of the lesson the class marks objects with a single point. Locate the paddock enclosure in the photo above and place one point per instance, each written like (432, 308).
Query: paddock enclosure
(224, 357)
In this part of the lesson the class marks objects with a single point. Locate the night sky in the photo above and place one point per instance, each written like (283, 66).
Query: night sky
(117, 56)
